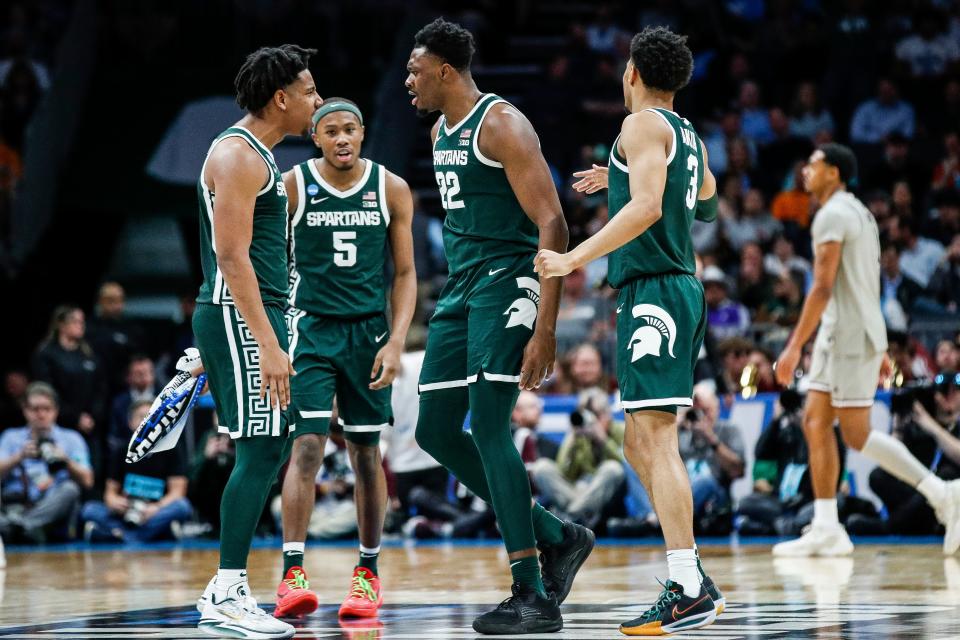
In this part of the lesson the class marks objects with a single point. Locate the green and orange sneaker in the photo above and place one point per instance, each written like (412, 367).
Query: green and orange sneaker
(672, 612)
(294, 597)
(365, 597)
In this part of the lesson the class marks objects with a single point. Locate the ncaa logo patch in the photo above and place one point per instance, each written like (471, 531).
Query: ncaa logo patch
(313, 189)
(648, 340)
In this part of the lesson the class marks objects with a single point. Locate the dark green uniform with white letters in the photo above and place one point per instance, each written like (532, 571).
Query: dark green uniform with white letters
(661, 312)
(488, 307)
(228, 350)
(336, 315)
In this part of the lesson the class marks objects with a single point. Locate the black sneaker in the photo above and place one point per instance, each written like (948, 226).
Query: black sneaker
(526, 611)
(560, 562)
(711, 588)
(673, 611)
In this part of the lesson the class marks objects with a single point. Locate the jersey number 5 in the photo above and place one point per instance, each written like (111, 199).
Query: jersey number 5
(449, 184)
(692, 165)
(346, 255)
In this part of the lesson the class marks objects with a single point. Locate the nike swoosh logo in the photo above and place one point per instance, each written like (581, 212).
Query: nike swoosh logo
(380, 337)
(318, 200)
(620, 308)
(677, 613)
(496, 271)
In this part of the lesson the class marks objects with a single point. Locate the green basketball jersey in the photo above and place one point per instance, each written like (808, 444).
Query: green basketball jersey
(268, 245)
(484, 219)
(339, 244)
(666, 247)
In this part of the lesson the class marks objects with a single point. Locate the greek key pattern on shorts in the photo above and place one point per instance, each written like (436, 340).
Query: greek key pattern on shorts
(258, 411)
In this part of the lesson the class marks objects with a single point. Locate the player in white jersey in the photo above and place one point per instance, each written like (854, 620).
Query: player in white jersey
(849, 356)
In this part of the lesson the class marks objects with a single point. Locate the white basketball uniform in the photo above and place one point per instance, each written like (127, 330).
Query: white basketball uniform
(852, 337)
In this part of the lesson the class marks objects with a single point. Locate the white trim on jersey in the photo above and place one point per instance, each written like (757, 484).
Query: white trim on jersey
(448, 384)
(613, 157)
(453, 129)
(476, 137)
(382, 187)
(673, 148)
(362, 428)
(333, 190)
(657, 402)
(298, 214)
(235, 359)
(295, 331)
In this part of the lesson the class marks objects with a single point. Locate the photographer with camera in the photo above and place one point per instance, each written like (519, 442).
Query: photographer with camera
(43, 469)
(589, 466)
(781, 475)
(143, 501)
(925, 419)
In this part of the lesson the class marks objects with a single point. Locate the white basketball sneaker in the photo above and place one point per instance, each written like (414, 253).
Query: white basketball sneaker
(235, 614)
(948, 514)
(817, 541)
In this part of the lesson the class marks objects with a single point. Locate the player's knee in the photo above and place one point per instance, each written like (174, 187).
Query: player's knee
(365, 458)
(307, 455)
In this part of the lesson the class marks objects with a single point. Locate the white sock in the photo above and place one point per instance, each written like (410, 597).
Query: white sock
(370, 551)
(933, 489)
(226, 578)
(894, 458)
(296, 547)
(682, 565)
(825, 513)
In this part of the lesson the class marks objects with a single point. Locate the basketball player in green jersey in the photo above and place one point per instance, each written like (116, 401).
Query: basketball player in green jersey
(345, 210)
(239, 322)
(493, 330)
(658, 182)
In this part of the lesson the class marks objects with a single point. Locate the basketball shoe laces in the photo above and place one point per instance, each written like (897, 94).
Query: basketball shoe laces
(298, 581)
(362, 588)
(667, 597)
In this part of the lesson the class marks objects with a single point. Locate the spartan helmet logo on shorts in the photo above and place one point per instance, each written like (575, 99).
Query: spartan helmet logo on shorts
(648, 340)
(523, 311)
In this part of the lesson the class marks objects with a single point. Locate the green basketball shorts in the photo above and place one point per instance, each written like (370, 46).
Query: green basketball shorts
(231, 359)
(333, 357)
(661, 321)
(483, 321)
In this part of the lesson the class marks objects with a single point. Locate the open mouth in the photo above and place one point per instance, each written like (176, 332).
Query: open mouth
(414, 100)
(344, 155)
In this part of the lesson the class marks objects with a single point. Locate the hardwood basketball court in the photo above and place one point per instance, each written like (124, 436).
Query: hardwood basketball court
(885, 591)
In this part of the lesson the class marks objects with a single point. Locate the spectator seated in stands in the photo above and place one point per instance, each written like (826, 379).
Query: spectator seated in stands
(584, 313)
(113, 337)
(754, 283)
(898, 292)
(791, 205)
(588, 470)
(524, 422)
(712, 450)
(141, 386)
(919, 256)
(66, 361)
(781, 476)
(943, 224)
(878, 117)
(783, 257)
(43, 470)
(932, 438)
(947, 356)
(753, 224)
(726, 318)
(143, 501)
(734, 357)
(787, 301)
(586, 369)
(808, 117)
(945, 281)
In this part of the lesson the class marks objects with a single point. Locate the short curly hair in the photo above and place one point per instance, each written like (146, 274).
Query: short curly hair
(448, 41)
(662, 58)
(267, 70)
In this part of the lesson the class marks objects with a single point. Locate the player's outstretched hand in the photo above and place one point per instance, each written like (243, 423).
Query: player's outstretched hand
(275, 372)
(591, 180)
(786, 366)
(550, 264)
(388, 359)
(538, 358)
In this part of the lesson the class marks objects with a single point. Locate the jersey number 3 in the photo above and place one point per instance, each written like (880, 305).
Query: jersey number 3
(692, 165)
(449, 184)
